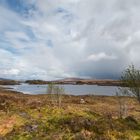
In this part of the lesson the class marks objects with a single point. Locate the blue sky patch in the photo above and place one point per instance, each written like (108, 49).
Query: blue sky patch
(19, 6)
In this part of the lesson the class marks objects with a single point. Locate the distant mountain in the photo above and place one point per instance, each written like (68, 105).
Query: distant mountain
(71, 79)
(78, 81)
(4, 79)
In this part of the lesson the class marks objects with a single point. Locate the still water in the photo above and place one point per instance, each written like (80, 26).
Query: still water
(69, 89)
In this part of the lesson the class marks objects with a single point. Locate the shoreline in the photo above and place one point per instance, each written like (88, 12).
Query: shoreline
(104, 82)
(8, 91)
(11, 90)
(77, 82)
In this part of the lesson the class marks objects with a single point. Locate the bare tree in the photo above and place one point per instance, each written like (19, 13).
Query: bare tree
(122, 106)
(57, 93)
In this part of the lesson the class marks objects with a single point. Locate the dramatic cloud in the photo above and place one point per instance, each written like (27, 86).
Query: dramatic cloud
(51, 39)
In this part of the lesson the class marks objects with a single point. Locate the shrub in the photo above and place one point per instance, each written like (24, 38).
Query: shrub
(131, 81)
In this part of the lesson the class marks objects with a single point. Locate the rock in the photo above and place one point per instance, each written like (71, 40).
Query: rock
(82, 101)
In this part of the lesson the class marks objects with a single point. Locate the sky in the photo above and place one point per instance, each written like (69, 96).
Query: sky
(54, 39)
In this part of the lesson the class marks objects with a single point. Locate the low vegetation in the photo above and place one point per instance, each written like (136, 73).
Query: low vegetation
(36, 82)
(36, 117)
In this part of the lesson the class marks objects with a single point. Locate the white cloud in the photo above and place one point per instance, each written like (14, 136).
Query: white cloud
(100, 56)
(16, 35)
(11, 72)
(64, 38)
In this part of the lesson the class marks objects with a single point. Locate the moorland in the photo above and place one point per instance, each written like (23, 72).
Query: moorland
(67, 117)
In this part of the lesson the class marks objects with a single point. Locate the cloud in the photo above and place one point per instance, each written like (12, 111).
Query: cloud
(74, 38)
(100, 56)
